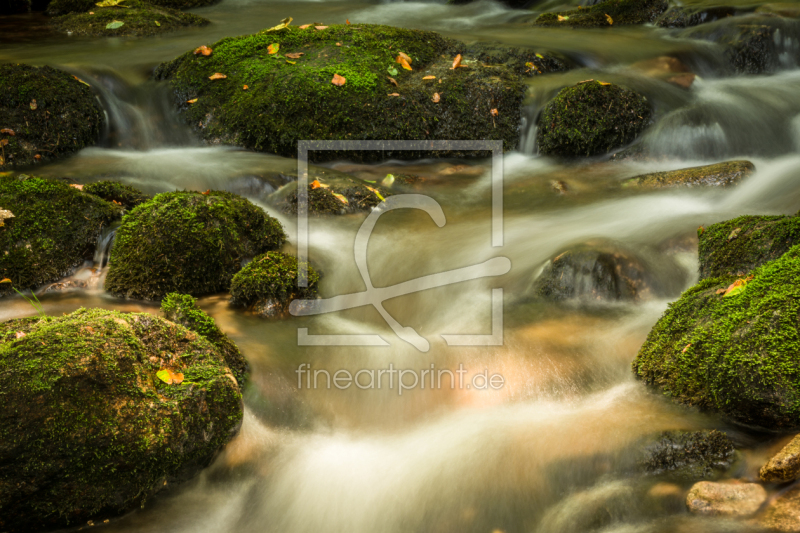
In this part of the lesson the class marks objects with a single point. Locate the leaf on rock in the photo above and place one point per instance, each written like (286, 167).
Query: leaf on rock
(540, 56)
(562, 19)
(34, 105)
(157, 23)
(429, 78)
(205, 50)
(338, 80)
(436, 98)
(19, 334)
(294, 55)
(340, 198)
(5, 280)
(76, 186)
(609, 19)
(208, 191)
(603, 82)
(404, 56)
(736, 287)
(5, 214)
(80, 80)
(7, 131)
(321, 27)
(284, 24)
(110, 3)
(114, 24)
(3, 142)
(169, 377)
(456, 62)
(494, 112)
(392, 71)
(347, 21)
(304, 26)
(192, 101)
(392, 81)
(217, 76)
(403, 62)
(291, 62)
(376, 192)
(273, 48)
(245, 87)
(394, 94)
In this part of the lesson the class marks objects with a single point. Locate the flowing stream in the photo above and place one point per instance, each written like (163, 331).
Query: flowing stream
(553, 445)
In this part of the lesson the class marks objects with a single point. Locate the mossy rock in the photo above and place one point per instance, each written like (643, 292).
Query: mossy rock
(183, 309)
(44, 114)
(268, 284)
(591, 119)
(621, 12)
(290, 99)
(54, 229)
(724, 174)
(139, 18)
(88, 430)
(688, 456)
(688, 16)
(735, 354)
(735, 247)
(333, 195)
(113, 191)
(188, 242)
(63, 7)
(12, 7)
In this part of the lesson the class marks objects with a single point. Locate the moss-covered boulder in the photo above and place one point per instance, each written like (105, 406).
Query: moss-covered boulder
(269, 101)
(119, 193)
(188, 242)
(136, 18)
(687, 455)
(183, 309)
(44, 114)
(12, 7)
(89, 430)
(333, 195)
(735, 247)
(53, 229)
(606, 14)
(268, 284)
(733, 348)
(591, 118)
(687, 16)
(724, 174)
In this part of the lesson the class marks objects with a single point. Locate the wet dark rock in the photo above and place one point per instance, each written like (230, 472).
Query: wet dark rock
(119, 193)
(12, 7)
(183, 309)
(785, 465)
(333, 195)
(268, 284)
(687, 16)
(781, 9)
(287, 102)
(590, 119)
(734, 499)
(45, 114)
(735, 247)
(88, 431)
(724, 174)
(188, 242)
(621, 12)
(732, 353)
(139, 18)
(688, 455)
(54, 228)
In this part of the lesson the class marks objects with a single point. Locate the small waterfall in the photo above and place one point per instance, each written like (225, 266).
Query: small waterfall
(103, 251)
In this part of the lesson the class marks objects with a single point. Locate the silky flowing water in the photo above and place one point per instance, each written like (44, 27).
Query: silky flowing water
(552, 450)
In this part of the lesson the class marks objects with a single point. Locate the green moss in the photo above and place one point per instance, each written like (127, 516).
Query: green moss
(686, 16)
(183, 309)
(735, 247)
(286, 102)
(139, 18)
(270, 280)
(188, 242)
(622, 13)
(591, 119)
(54, 229)
(718, 175)
(688, 456)
(51, 113)
(733, 354)
(112, 191)
(88, 431)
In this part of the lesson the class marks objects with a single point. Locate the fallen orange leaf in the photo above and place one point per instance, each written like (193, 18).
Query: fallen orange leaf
(347, 21)
(338, 80)
(429, 78)
(205, 50)
(208, 191)
(404, 56)
(77, 186)
(8, 131)
(273, 48)
(338, 44)
(37, 157)
(320, 27)
(316, 184)
(341, 198)
(304, 26)
(217, 76)
(169, 377)
(294, 55)
(392, 81)
(403, 63)
(493, 112)
(193, 100)
(394, 94)
(19, 334)
(436, 98)
(244, 88)
(456, 62)
(609, 19)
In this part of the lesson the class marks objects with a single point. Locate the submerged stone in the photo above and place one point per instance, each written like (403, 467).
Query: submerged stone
(88, 430)
(785, 465)
(732, 348)
(112, 191)
(735, 247)
(725, 499)
(45, 114)
(717, 175)
(268, 284)
(591, 118)
(687, 16)
(270, 101)
(188, 242)
(54, 229)
(606, 14)
(688, 455)
(137, 17)
(333, 195)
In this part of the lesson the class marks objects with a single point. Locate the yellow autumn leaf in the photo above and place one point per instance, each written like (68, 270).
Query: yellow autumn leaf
(429, 78)
(609, 19)
(562, 19)
(273, 48)
(284, 24)
(192, 101)
(110, 3)
(340, 198)
(217, 76)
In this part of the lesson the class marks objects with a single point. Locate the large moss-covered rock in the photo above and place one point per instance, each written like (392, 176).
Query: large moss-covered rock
(290, 97)
(735, 247)
(591, 118)
(12, 7)
(268, 284)
(88, 430)
(717, 175)
(188, 242)
(54, 229)
(733, 353)
(113, 191)
(62, 7)
(44, 114)
(183, 309)
(606, 14)
(137, 18)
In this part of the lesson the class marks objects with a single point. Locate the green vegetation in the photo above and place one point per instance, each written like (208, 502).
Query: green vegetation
(183, 309)
(51, 114)
(621, 13)
(735, 353)
(112, 191)
(87, 429)
(188, 242)
(269, 283)
(138, 18)
(591, 119)
(54, 229)
(718, 175)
